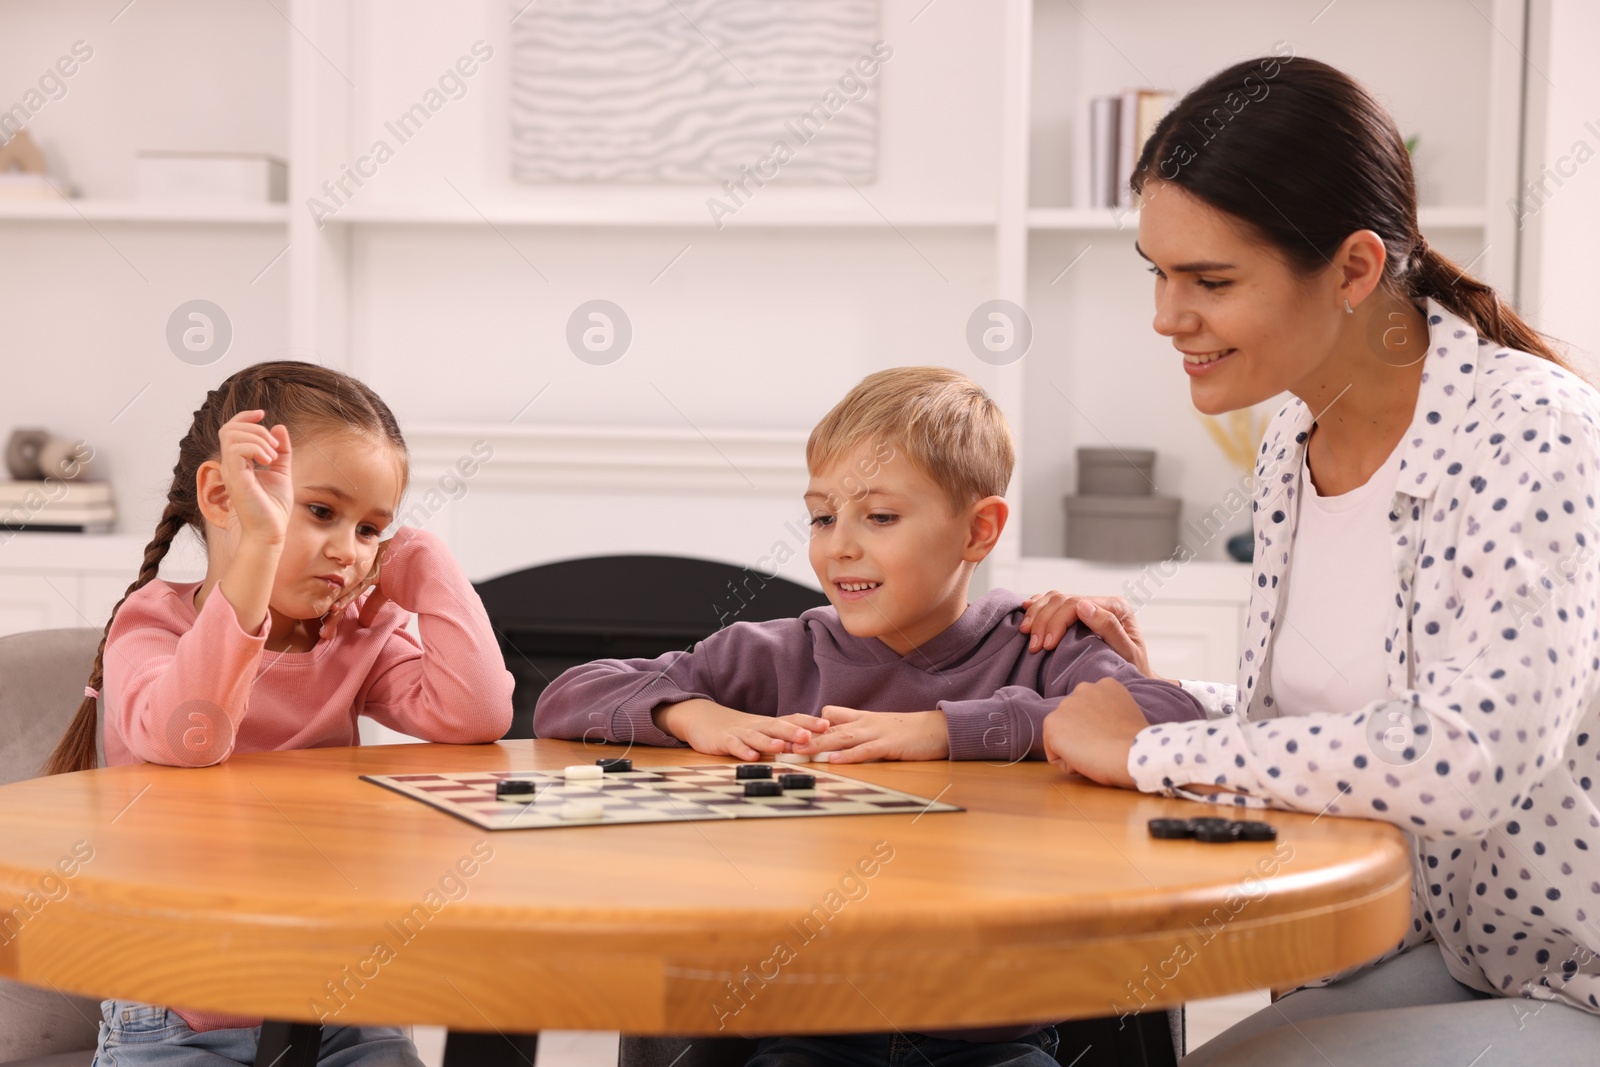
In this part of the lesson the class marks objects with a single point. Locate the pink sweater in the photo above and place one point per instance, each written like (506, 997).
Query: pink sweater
(189, 689)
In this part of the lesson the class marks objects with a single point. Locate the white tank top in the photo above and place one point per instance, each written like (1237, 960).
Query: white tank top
(1327, 652)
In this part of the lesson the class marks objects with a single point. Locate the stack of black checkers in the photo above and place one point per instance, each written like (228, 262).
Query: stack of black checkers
(758, 780)
(1213, 830)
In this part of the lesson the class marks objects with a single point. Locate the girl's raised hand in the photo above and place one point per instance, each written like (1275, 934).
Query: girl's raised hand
(255, 471)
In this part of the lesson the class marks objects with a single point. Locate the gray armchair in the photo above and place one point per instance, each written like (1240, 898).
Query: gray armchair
(42, 674)
(41, 685)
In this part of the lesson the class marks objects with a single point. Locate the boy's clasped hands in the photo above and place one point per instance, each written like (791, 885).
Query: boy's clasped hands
(834, 735)
(1090, 733)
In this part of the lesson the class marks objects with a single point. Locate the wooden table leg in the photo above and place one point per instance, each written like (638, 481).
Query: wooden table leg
(1142, 1039)
(288, 1044)
(469, 1048)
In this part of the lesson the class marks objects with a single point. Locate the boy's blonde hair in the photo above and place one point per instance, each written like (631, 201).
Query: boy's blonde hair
(940, 419)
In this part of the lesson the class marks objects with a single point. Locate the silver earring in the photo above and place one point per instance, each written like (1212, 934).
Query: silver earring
(1348, 310)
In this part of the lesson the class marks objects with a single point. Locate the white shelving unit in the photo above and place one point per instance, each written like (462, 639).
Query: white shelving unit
(1094, 374)
(626, 207)
(691, 218)
(79, 210)
(1055, 55)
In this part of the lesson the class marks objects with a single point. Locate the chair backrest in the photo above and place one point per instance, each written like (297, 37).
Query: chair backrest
(558, 615)
(42, 674)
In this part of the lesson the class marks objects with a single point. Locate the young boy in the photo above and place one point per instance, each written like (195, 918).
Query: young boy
(907, 473)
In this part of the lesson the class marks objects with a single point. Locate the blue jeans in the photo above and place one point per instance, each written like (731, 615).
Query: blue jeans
(146, 1035)
(905, 1050)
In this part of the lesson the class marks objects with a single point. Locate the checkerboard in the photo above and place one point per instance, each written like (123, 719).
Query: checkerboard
(649, 794)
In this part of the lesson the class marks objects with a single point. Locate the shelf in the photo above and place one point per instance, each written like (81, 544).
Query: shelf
(655, 209)
(1107, 220)
(637, 212)
(142, 211)
(37, 552)
(1076, 218)
(644, 215)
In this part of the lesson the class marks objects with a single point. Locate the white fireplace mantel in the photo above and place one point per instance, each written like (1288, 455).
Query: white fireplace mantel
(613, 458)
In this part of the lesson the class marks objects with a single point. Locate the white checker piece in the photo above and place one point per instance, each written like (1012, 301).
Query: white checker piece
(648, 794)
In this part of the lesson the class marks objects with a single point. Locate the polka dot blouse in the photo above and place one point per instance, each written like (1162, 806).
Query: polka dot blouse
(1485, 749)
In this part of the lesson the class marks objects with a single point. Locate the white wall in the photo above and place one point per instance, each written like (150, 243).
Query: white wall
(1561, 205)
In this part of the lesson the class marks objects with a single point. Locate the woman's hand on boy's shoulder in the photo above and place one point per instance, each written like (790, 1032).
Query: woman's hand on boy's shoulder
(1049, 616)
(857, 736)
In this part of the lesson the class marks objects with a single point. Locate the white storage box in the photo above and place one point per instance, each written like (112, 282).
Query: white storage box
(235, 178)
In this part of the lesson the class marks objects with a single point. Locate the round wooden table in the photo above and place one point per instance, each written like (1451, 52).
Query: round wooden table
(280, 884)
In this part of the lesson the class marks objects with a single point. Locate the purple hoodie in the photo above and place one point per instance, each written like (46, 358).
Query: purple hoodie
(994, 693)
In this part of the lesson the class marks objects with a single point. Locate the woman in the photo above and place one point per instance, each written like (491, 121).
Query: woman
(1421, 642)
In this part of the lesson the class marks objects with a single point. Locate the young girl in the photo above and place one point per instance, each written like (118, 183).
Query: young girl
(296, 630)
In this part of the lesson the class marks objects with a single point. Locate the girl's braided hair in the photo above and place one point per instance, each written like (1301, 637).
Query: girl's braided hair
(307, 399)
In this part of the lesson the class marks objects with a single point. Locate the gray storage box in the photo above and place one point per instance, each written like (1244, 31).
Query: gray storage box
(1116, 471)
(1122, 529)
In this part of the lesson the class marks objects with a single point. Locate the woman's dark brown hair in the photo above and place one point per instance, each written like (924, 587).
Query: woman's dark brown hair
(1306, 156)
(307, 399)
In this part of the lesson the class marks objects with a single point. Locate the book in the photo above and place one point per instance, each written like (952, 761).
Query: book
(52, 493)
(1141, 110)
(1104, 120)
(1127, 153)
(1110, 134)
(1153, 105)
(91, 519)
(55, 506)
